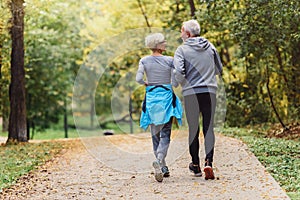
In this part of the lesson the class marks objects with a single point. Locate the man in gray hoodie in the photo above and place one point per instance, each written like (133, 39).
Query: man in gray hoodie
(196, 64)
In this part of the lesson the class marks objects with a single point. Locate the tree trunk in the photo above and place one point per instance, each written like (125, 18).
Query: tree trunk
(144, 14)
(272, 102)
(192, 6)
(295, 76)
(92, 110)
(17, 119)
(130, 111)
(66, 118)
(1, 46)
(28, 128)
(177, 6)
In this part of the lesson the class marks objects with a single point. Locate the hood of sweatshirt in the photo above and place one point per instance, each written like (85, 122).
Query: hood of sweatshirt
(198, 43)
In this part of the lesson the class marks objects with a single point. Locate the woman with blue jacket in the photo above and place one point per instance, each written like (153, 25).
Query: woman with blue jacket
(160, 104)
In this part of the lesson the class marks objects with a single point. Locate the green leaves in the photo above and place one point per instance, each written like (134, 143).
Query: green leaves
(281, 158)
(53, 47)
(250, 35)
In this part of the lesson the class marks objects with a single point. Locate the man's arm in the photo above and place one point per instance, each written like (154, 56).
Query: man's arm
(217, 60)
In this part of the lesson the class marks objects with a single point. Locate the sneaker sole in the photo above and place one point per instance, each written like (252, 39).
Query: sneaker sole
(158, 173)
(209, 174)
(197, 174)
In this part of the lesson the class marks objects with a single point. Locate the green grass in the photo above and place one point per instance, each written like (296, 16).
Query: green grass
(83, 123)
(50, 134)
(279, 156)
(17, 160)
(57, 131)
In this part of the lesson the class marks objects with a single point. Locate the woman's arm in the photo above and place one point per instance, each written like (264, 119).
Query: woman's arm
(140, 74)
(179, 65)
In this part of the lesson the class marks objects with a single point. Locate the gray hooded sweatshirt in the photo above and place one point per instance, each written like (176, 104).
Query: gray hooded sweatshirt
(196, 64)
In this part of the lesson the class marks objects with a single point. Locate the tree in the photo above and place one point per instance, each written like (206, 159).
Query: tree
(259, 44)
(192, 6)
(268, 34)
(53, 49)
(17, 118)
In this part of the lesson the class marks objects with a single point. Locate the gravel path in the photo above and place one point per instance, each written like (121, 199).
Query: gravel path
(119, 167)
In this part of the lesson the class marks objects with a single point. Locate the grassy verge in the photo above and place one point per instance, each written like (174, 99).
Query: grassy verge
(279, 156)
(49, 134)
(17, 160)
(57, 133)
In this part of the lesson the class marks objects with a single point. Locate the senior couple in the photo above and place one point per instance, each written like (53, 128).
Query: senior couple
(194, 66)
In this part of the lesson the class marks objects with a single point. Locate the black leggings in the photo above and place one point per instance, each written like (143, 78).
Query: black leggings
(204, 103)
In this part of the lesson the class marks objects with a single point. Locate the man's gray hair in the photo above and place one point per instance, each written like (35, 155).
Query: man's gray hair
(192, 26)
(152, 40)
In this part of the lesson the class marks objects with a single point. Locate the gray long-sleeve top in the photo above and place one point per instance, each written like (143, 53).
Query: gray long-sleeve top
(158, 69)
(197, 63)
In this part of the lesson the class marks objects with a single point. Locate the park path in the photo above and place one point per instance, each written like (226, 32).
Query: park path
(80, 174)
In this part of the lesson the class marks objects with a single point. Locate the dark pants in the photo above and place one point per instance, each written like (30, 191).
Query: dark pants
(204, 103)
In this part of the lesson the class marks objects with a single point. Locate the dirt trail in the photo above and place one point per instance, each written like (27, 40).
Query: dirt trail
(79, 174)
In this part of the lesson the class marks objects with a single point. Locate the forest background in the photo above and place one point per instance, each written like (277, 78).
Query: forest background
(258, 41)
(81, 57)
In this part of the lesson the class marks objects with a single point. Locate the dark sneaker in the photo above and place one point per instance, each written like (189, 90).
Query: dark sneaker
(165, 171)
(157, 171)
(195, 169)
(208, 163)
(209, 173)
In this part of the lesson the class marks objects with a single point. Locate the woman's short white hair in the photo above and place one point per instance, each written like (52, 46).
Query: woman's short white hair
(192, 26)
(152, 40)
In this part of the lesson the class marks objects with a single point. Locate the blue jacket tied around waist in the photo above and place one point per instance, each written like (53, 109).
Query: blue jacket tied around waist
(159, 105)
